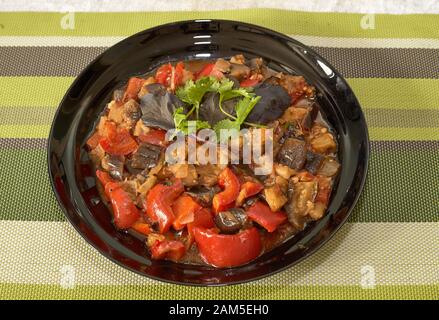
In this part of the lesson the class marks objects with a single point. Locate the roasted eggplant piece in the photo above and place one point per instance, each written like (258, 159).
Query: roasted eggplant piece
(293, 153)
(275, 198)
(231, 221)
(301, 197)
(239, 71)
(313, 162)
(146, 156)
(203, 195)
(329, 167)
(113, 165)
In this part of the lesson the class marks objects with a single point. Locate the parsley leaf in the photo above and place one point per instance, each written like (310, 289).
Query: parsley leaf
(187, 126)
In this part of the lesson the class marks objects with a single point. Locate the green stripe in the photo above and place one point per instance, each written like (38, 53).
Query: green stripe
(376, 134)
(43, 291)
(289, 22)
(397, 190)
(399, 134)
(33, 91)
(391, 93)
(24, 131)
(396, 93)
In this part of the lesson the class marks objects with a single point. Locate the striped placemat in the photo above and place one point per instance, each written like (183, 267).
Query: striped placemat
(389, 247)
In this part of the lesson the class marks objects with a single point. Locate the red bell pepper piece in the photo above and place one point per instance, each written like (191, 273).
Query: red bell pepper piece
(224, 251)
(103, 177)
(205, 72)
(159, 201)
(268, 219)
(168, 249)
(142, 227)
(93, 141)
(163, 74)
(249, 83)
(178, 76)
(324, 190)
(209, 70)
(121, 143)
(230, 182)
(170, 76)
(184, 211)
(133, 88)
(248, 189)
(203, 219)
(125, 212)
(154, 136)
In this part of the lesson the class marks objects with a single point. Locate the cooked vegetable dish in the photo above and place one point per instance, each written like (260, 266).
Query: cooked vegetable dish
(221, 213)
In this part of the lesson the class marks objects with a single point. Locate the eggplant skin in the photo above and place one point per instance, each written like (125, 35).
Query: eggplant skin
(146, 156)
(293, 153)
(274, 101)
(158, 108)
(313, 161)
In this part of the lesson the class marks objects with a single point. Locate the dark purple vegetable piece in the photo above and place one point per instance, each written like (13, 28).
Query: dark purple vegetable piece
(313, 161)
(203, 195)
(231, 221)
(113, 165)
(146, 156)
(308, 120)
(292, 153)
(239, 71)
(209, 109)
(274, 101)
(158, 108)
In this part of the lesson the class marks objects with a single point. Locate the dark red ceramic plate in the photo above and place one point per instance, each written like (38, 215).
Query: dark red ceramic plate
(72, 175)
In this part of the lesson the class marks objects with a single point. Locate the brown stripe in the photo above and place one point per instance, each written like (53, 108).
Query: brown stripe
(402, 118)
(383, 62)
(26, 115)
(388, 145)
(40, 143)
(46, 61)
(23, 143)
(351, 62)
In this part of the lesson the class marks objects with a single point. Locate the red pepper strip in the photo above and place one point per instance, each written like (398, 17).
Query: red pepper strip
(202, 218)
(268, 219)
(249, 83)
(158, 204)
(168, 249)
(103, 177)
(178, 76)
(324, 190)
(163, 74)
(154, 136)
(122, 144)
(205, 72)
(209, 70)
(223, 251)
(125, 212)
(133, 88)
(248, 189)
(184, 210)
(230, 182)
(142, 228)
(93, 141)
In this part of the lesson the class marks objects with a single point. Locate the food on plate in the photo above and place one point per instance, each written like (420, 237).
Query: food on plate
(221, 213)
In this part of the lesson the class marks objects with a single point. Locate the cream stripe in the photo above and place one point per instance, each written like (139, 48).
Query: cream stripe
(334, 42)
(360, 6)
(401, 253)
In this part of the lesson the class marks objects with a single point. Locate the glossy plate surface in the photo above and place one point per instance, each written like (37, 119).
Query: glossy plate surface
(72, 175)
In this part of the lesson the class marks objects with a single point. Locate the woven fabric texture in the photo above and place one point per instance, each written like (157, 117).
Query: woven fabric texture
(388, 248)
